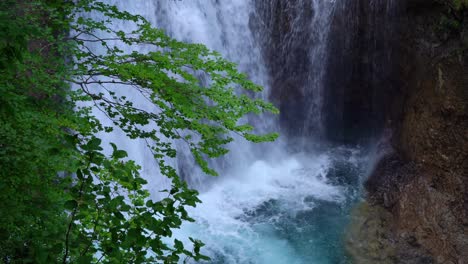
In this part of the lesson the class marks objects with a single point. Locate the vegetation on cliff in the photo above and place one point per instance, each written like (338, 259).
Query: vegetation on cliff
(453, 18)
(65, 199)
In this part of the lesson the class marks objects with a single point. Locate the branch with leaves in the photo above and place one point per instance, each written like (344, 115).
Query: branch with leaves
(104, 212)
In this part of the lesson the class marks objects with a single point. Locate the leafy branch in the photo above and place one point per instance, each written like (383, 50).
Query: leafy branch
(99, 209)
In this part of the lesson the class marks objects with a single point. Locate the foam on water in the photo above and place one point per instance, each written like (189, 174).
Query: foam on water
(222, 219)
(257, 213)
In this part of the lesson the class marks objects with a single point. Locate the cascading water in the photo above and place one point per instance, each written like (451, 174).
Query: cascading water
(271, 204)
(294, 38)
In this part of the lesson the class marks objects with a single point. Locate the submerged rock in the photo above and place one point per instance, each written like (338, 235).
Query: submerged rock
(368, 235)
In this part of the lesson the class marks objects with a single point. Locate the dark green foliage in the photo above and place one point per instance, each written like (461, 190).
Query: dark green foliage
(63, 199)
(453, 20)
(32, 146)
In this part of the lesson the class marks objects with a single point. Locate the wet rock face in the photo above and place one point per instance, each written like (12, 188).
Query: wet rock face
(389, 175)
(433, 205)
(370, 239)
(424, 182)
(362, 81)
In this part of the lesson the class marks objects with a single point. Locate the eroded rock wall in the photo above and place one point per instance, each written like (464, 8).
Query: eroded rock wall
(423, 182)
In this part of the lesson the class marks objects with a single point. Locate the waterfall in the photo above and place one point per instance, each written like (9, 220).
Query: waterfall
(294, 37)
(361, 77)
(222, 26)
(273, 203)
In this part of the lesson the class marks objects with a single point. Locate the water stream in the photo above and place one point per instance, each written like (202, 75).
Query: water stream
(272, 203)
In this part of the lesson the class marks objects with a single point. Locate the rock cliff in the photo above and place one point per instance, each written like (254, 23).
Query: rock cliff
(423, 180)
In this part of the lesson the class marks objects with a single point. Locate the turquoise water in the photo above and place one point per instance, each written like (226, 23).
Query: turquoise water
(290, 211)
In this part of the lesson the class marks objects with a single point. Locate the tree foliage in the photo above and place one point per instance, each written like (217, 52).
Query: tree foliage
(65, 199)
(453, 21)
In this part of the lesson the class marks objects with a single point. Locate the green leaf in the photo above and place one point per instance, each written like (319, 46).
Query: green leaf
(93, 144)
(119, 154)
(178, 245)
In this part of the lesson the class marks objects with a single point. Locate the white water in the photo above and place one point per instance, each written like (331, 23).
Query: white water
(320, 27)
(231, 222)
(266, 205)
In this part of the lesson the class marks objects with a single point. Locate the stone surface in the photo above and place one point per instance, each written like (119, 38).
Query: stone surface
(368, 240)
(423, 183)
